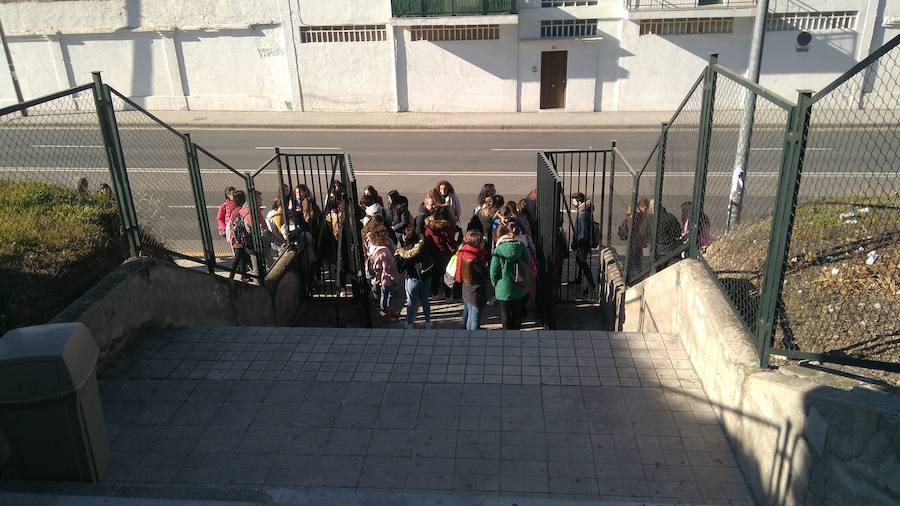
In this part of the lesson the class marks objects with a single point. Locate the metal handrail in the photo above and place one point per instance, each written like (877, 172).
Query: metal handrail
(633, 5)
(754, 87)
(846, 76)
(431, 8)
(144, 111)
(628, 166)
(46, 98)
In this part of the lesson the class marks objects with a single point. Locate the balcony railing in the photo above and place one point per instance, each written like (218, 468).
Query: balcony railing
(659, 5)
(430, 8)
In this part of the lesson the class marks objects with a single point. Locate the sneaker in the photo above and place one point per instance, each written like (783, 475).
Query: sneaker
(428, 326)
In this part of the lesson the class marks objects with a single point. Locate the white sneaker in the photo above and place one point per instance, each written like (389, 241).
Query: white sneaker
(428, 325)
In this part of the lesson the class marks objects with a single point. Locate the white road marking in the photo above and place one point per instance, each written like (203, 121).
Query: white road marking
(780, 149)
(556, 150)
(69, 146)
(299, 148)
(439, 174)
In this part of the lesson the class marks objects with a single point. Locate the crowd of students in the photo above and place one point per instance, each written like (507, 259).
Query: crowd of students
(482, 257)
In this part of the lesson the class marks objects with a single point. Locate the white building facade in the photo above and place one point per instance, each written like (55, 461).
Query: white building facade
(426, 55)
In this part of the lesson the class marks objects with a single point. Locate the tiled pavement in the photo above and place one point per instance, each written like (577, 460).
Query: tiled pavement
(558, 414)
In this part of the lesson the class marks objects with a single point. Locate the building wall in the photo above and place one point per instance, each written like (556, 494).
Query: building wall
(346, 76)
(239, 55)
(461, 76)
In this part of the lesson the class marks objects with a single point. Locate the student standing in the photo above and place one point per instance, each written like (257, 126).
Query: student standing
(510, 268)
(472, 274)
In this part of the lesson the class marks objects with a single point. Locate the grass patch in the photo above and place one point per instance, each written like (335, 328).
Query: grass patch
(54, 245)
(833, 300)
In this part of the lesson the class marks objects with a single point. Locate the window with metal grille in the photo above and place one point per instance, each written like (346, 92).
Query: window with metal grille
(567, 3)
(686, 26)
(568, 28)
(438, 33)
(345, 33)
(811, 21)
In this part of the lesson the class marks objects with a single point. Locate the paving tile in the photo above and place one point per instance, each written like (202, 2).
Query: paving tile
(549, 414)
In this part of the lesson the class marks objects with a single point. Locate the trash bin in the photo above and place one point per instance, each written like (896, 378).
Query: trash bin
(49, 403)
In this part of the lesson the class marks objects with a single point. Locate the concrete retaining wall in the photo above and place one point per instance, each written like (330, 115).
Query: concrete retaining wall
(147, 290)
(611, 284)
(801, 436)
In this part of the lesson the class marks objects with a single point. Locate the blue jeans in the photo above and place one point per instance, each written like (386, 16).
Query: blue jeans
(385, 296)
(471, 316)
(417, 292)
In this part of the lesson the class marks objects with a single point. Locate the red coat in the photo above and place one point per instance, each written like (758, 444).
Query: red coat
(442, 235)
(223, 216)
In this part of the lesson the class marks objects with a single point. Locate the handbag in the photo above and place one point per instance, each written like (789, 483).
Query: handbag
(450, 272)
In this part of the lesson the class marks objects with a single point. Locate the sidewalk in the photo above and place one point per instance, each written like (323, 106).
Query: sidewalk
(414, 120)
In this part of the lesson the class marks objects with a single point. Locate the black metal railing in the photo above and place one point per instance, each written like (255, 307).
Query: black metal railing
(651, 5)
(430, 8)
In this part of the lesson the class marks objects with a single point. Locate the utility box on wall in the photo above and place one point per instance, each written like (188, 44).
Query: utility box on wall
(50, 407)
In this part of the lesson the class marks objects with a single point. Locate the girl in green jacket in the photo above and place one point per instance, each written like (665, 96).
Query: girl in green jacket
(510, 271)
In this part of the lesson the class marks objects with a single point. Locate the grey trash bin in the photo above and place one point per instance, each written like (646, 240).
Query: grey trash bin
(49, 403)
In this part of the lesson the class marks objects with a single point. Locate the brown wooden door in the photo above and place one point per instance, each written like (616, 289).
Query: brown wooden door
(553, 79)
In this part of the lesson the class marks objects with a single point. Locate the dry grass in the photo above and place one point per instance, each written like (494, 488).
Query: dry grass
(54, 245)
(833, 301)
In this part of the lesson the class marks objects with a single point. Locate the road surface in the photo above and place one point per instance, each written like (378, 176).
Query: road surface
(411, 162)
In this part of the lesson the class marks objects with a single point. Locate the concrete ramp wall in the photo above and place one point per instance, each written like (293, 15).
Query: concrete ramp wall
(802, 436)
(151, 291)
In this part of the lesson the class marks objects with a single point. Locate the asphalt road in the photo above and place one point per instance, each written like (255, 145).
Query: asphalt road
(412, 162)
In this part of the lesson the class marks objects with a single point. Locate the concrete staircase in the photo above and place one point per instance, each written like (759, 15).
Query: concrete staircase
(356, 416)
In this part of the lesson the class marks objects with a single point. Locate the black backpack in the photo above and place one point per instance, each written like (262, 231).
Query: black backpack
(240, 236)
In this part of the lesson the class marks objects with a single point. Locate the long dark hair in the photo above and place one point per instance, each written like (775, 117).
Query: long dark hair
(487, 190)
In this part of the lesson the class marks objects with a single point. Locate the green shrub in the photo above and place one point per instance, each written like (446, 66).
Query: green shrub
(54, 245)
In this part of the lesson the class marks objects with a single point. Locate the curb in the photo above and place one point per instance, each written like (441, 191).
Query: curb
(260, 126)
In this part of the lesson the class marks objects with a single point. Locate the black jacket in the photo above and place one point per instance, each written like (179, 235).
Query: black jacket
(420, 219)
(416, 260)
(583, 222)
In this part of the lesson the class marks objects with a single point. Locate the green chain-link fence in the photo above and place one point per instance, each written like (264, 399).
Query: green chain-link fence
(805, 241)
(89, 178)
(840, 294)
(60, 231)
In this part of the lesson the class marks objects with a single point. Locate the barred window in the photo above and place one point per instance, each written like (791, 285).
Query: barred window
(811, 21)
(567, 3)
(344, 33)
(568, 28)
(438, 33)
(686, 26)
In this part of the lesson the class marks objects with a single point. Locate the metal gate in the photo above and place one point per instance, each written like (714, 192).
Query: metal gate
(335, 271)
(589, 173)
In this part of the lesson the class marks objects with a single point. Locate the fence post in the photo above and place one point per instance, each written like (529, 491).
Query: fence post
(706, 122)
(284, 204)
(782, 223)
(116, 158)
(634, 199)
(657, 194)
(257, 233)
(612, 193)
(209, 255)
